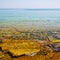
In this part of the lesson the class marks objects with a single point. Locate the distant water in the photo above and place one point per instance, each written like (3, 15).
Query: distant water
(45, 18)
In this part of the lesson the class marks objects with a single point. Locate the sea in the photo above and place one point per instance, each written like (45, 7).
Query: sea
(30, 18)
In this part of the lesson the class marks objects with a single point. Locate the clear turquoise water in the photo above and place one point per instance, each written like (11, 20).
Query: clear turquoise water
(47, 18)
(23, 14)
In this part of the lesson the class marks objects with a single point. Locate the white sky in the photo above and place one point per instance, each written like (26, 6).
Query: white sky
(29, 3)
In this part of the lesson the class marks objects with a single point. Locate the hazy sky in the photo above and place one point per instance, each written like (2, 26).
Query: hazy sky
(29, 3)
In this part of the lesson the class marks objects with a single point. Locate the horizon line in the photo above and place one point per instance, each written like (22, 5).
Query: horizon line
(34, 8)
(29, 8)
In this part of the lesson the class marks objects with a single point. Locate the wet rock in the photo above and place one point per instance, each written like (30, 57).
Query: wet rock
(32, 54)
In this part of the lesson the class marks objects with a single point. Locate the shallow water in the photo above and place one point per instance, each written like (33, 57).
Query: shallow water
(29, 19)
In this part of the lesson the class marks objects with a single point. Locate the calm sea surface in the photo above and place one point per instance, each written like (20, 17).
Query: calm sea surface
(45, 18)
